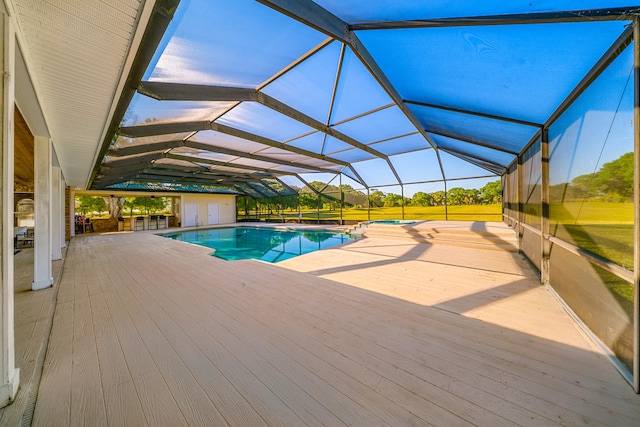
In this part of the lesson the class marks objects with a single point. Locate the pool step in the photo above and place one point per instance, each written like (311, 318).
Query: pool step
(492, 236)
(357, 229)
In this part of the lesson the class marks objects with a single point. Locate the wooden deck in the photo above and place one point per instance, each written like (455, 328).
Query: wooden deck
(151, 331)
(33, 315)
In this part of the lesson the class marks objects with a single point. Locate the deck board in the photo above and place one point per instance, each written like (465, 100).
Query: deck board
(152, 331)
(33, 311)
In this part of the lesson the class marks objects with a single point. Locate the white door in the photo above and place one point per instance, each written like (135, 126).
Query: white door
(213, 211)
(190, 215)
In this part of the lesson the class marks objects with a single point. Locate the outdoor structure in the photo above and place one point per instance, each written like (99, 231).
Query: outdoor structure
(257, 98)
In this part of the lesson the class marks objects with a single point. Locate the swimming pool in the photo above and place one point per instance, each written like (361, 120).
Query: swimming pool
(263, 243)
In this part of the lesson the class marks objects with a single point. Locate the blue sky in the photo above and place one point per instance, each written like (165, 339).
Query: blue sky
(517, 71)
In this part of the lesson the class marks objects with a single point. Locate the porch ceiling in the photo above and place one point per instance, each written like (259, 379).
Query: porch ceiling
(76, 53)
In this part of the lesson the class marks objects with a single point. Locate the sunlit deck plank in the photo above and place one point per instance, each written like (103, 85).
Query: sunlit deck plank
(430, 364)
(121, 400)
(356, 340)
(271, 351)
(158, 404)
(226, 399)
(321, 357)
(283, 399)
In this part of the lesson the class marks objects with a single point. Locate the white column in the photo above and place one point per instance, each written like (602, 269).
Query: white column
(42, 273)
(9, 374)
(56, 214)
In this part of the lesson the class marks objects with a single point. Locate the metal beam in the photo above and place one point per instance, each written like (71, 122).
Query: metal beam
(239, 189)
(356, 176)
(106, 181)
(608, 14)
(163, 91)
(284, 184)
(150, 174)
(473, 156)
(109, 171)
(223, 164)
(155, 129)
(308, 185)
(336, 82)
(157, 146)
(159, 20)
(496, 170)
(609, 56)
(532, 141)
(151, 130)
(187, 92)
(200, 175)
(163, 180)
(266, 196)
(183, 176)
(246, 189)
(245, 155)
(286, 110)
(201, 169)
(469, 140)
(228, 130)
(365, 114)
(145, 148)
(127, 161)
(295, 63)
(313, 15)
(266, 187)
(475, 113)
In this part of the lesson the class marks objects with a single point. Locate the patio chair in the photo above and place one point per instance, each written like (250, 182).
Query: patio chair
(19, 235)
(79, 224)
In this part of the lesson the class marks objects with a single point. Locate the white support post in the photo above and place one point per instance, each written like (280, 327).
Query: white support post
(42, 273)
(9, 374)
(56, 214)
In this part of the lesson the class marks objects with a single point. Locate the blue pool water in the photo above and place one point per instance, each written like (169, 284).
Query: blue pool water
(263, 243)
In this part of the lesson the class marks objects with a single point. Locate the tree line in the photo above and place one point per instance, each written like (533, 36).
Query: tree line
(331, 196)
(613, 182)
(119, 206)
(491, 193)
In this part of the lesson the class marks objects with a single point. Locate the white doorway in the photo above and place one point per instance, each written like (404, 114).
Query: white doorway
(191, 214)
(213, 213)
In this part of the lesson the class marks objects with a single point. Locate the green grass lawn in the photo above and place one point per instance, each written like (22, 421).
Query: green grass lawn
(591, 213)
(467, 213)
(610, 241)
(605, 229)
